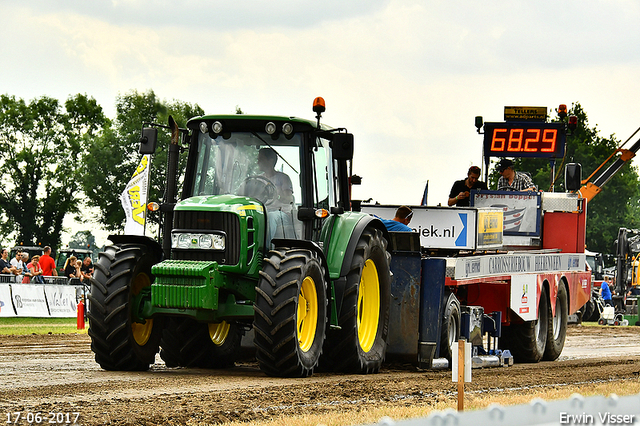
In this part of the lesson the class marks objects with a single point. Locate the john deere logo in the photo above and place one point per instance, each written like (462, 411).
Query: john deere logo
(194, 241)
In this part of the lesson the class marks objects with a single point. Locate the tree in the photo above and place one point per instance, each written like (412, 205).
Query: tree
(617, 205)
(41, 146)
(113, 156)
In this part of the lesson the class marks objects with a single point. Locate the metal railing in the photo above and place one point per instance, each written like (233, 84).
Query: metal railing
(17, 279)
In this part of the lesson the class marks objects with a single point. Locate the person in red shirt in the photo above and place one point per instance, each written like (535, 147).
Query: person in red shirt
(47, 263)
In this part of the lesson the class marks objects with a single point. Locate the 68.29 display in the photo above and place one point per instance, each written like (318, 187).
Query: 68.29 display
(524, 139)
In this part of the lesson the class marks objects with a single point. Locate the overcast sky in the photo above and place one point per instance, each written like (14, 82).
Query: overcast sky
(406, 77)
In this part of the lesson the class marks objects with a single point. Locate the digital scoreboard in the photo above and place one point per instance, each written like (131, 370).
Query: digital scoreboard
(524, 139)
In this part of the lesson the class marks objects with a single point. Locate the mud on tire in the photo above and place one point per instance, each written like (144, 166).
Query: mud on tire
(290, 318)
(119, 343)
(359, 345)
(189, 343)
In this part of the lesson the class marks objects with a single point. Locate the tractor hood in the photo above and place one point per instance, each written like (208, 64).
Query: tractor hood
(224, 203)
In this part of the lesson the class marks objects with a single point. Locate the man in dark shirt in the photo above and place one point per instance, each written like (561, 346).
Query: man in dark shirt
(460, 190)
(87, 268)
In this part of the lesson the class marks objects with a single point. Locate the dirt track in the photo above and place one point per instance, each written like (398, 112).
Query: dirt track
(57, 373)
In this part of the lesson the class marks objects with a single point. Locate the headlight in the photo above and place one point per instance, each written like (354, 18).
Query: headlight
(184, 240)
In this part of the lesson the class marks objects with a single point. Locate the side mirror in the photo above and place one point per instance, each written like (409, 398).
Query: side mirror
(149, 140)
(342, 145)
(572, 176)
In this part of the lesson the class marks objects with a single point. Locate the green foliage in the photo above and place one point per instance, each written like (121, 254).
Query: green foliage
(41, 147)
(618, 205)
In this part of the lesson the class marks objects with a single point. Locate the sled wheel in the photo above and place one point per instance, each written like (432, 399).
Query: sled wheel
(527, 340)
(601, 321)
(557, 329)
(450, 331)
(359, 345)
(188, 343)
(290, 317)
(118, 339)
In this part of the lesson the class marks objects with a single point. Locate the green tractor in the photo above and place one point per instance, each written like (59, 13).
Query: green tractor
(261, 237)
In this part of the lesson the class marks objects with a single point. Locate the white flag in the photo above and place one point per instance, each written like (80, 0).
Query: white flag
(134, 198)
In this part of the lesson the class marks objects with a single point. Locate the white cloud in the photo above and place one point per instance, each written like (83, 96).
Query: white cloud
(406, 77)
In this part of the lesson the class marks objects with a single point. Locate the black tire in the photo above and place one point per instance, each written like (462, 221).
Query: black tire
(527, 340)
(119, 342)
(601, 321)
(359, 345)
(290, 318)
(557, 328)
(588, 310)
(450, 330)
(188, 343)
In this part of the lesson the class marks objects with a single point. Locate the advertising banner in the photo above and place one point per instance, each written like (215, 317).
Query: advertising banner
(134, 198)
(521, 210)
(446, 228)
(29, 300)
(6, 308)
(61, 300)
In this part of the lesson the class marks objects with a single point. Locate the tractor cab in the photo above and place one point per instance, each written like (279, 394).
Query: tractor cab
(274, 164)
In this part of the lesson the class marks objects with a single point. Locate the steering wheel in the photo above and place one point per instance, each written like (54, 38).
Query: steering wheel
(258, 187)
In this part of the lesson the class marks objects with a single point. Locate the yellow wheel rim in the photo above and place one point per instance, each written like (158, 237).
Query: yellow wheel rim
(368, 306)
(219, 332)
(307, 315)
(141, 332)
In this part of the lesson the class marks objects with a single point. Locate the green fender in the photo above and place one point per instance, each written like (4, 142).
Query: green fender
(340, 235)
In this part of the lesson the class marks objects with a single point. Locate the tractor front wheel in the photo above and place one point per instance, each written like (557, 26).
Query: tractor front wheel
(290, 313)
(188, 343)
(119, 339)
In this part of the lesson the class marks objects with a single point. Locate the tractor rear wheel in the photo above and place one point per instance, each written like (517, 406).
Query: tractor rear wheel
(290, 317)
(188, 343)
(557, 328)
(527, 341)
(359, 345)
(450, 330)
(118, 340)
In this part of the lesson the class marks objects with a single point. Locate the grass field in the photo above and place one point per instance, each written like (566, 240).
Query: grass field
(18, 326)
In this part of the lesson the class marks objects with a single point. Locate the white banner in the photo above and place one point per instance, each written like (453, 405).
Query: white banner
(61, 300)
(29, 300)
(439, 227)
(134, 198)
(6, 309)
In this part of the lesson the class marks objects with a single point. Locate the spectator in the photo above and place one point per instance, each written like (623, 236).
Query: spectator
(510, 180)
(401, 220)
(87, 268)
(47, 263)
(70, 268)
(36, 270)
(25, 268)
(16, 262)
(5, 265)
(459, 194)
(79, 269)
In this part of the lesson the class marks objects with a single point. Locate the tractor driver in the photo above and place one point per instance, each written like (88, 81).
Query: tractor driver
(267, 159)
(280, 207)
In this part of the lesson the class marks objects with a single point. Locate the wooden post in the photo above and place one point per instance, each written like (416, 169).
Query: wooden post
(461, 375)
